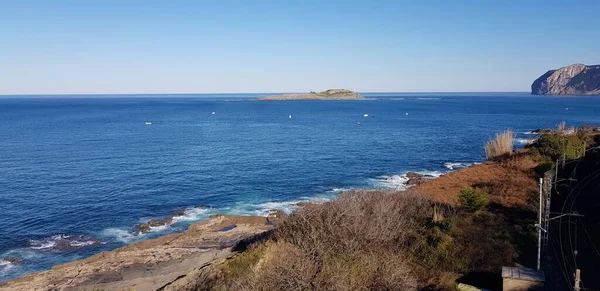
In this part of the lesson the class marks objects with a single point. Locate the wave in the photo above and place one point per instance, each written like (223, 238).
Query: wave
(191, 214)
(524, 141)
(63, 242)
(458, 165)
(397, 182)
(121, 235)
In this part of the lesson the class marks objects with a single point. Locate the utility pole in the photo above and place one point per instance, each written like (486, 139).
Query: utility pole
(540, 228)
(577, 280)
(547, 214)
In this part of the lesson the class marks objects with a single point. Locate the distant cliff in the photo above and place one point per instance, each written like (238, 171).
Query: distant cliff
(575, 79)
(331, 94)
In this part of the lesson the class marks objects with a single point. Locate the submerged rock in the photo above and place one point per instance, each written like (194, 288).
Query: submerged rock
(9, 260)
(575, 79)
(146, 227)
(62, 242)
(180, 212)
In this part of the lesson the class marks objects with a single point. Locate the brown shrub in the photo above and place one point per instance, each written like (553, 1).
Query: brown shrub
(500, 146)
(374, 241)
(355, 222)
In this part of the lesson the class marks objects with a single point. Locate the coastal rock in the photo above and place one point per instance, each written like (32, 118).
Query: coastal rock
(331, 94)
(146, 227)
(158, 264)
(577, 79)
(13, 261)
(416, 178)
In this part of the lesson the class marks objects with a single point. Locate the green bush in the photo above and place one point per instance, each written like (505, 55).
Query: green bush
(472, 199)
(555, 146)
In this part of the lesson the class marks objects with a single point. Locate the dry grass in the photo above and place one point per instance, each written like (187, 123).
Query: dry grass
(508, 182)
(500, 146)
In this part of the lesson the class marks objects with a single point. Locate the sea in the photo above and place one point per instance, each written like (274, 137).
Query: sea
(78, 172)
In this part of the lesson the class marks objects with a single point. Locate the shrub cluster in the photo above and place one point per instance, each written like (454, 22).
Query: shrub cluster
(557, 146)
(374, 241)
(473, 200)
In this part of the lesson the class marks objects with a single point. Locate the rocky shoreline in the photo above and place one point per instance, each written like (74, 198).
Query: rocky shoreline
(170, 262)
(331, 94)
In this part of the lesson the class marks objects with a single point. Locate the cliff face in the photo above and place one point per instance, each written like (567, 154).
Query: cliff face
(575, 79)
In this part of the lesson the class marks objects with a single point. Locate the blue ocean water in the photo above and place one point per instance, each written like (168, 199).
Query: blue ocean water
(72, 166)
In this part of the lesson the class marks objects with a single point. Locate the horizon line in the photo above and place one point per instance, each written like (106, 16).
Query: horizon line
(233, 93)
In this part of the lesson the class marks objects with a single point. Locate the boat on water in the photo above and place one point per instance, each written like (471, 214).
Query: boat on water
(366, 115)
(148, 123)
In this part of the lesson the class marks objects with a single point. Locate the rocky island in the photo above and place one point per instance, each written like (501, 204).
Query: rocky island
(331, 94)
(577, 79)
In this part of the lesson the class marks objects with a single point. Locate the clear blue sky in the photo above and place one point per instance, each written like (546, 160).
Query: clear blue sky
(105, 46)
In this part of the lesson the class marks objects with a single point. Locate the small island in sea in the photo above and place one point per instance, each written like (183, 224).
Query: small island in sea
(331, 94)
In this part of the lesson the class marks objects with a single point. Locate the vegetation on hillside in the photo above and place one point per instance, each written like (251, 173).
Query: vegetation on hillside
(374, 240)
(564, 143)
(461, 227)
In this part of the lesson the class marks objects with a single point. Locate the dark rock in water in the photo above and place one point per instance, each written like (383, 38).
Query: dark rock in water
(413, 175)
(575, 79)
(178, 212)
(13, 261)
(146, 227)
(416, 178)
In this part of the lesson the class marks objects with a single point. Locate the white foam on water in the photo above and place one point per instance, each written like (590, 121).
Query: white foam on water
(5, 266)
(121, 235)
(191, 214)
(524, 141)
(397, 182)
(435, 174)
(339, 190)
(158, 228)
(47, 243)
(76, 243)
(457, 165)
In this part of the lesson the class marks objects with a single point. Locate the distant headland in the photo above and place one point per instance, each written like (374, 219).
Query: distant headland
(331, 94)
(577, 79)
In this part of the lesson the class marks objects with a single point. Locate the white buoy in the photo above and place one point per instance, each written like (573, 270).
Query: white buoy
(406, 113)
(213, 113)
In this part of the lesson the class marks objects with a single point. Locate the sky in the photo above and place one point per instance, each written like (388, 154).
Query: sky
(137, 47)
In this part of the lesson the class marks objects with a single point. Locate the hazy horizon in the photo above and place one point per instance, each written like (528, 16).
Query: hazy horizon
(152, 47)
